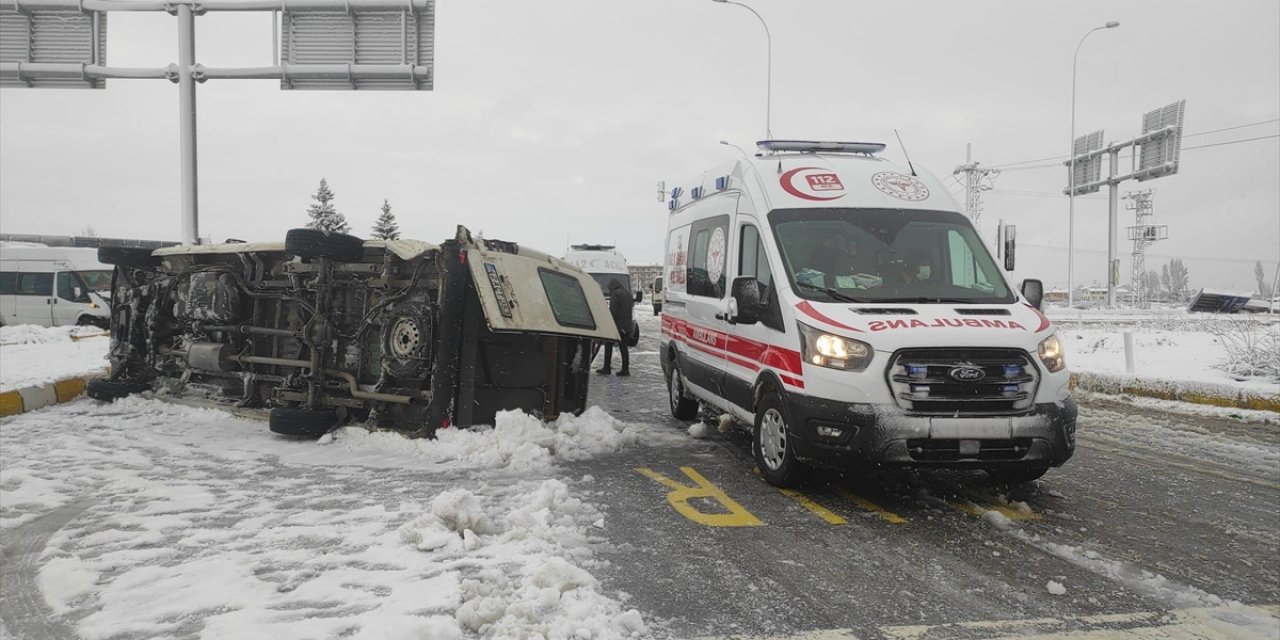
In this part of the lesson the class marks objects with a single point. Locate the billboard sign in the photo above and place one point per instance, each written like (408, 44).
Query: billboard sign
(1086, 171)
(1159, 156)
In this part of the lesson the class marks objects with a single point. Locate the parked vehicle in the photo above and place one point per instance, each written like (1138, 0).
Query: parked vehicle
(657, 295)
(603, 262)
(326, 328)
(53, 286)
(843, 309)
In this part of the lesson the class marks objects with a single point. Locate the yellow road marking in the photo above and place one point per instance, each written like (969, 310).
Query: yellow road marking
(979, 508)
(867, 505)
(10, 403)
(818, 510)
(681, 494)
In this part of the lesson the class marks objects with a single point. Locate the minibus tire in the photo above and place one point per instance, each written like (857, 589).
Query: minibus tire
(135, 257)
(314, 243)
(789, 468)
(1018, 475)
(302, 423)
(112, 390)
(682, 406)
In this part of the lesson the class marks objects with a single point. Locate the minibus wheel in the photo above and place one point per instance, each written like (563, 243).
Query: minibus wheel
(682, 406)
(302, 423)
(771, 443)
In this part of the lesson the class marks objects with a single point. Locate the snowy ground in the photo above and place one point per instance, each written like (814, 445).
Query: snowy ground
(32, 355)
(188, 522)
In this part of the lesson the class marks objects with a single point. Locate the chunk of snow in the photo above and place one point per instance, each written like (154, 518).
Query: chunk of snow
(1055, 588)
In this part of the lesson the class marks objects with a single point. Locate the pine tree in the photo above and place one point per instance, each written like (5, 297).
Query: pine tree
(323, 216)
(386, 228)
(1264, 287)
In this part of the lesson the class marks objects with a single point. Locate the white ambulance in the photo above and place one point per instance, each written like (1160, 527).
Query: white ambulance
(602, 262)
(843, 309)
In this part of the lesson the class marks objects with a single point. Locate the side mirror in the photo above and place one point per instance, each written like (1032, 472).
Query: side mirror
(639, 295)
(1010, 243)
(746, 295)
(1033, 291)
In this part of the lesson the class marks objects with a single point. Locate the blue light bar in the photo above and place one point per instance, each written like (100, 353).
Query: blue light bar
(917, 370)
(676, 192)
(814, 146)
(1012, 371)
(696, 192)
(722, 183)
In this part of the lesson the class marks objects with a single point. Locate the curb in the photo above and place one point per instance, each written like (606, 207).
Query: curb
(1198, 393)
(18, 401)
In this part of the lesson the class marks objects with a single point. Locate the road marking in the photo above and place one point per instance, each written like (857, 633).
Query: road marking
(867, 505)
(681, 494)
(980, 507)
(818, 510)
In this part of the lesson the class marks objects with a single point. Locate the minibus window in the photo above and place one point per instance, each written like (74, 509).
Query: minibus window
(35, 284)
(568, 301)
(8, 282)
(97, 280)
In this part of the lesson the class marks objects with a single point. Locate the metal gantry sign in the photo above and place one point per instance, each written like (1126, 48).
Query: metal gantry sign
(324, 44)
(1156, 154)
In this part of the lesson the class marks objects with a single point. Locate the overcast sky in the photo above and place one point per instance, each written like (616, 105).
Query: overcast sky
(553, 122)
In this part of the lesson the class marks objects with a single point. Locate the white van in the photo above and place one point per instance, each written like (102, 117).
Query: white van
(53, 286)
(842, 308)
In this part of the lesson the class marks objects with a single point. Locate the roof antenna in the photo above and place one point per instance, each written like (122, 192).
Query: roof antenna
(904, 152)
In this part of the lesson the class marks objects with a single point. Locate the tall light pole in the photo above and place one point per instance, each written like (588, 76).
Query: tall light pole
(768, 87)
(1071, 195)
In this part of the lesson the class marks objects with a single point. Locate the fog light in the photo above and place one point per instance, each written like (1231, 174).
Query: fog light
(830, 432)
(1008, 389)
(921, 390)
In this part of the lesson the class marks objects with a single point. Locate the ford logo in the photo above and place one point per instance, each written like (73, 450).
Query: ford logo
(967, 374)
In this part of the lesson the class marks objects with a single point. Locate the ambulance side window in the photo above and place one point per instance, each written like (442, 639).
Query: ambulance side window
(752, 261)
(707, 254)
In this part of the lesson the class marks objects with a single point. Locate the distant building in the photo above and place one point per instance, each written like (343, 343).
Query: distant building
(642, 276)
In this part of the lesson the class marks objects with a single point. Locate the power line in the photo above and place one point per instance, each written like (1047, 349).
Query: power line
(1103, 252)
(1220, 144)
(1239, 126)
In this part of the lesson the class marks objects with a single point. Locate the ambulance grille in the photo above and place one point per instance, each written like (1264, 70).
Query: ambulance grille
(963, 382)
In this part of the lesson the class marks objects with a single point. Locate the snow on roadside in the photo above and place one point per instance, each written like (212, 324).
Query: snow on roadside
(201, 524)
(32, 355)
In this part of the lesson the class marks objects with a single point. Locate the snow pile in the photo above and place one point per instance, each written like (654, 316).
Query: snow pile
(524, 552)
(35, 334)
(1055, 588)
(199, 523)
(516, 442)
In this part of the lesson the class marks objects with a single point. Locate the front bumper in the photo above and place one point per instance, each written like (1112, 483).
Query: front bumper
(886, 435)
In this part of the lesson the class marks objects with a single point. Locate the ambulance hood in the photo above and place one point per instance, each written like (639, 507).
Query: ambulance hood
(892, 326)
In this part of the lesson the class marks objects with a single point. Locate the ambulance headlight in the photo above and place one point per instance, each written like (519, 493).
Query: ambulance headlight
(823, 349)
(1051, 354)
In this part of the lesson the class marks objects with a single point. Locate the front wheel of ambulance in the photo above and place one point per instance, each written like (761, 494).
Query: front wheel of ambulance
(682, 406)
(772, 445)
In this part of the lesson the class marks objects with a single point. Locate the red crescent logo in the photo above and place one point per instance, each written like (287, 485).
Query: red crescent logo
(785, 181)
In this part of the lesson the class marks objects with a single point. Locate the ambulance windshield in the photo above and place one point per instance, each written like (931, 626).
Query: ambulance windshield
(886, 255)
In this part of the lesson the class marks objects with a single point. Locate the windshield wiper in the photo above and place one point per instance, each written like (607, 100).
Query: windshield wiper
(931, 299)
(835, 295)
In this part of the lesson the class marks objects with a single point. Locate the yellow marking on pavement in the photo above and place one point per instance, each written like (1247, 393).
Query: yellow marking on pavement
(68, 389)
(681, 494)
(10, 403)
(867, 505)
(818, 510)
(980, 507)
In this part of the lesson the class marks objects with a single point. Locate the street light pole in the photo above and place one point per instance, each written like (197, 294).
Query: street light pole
(1071, 191)
(768, 87)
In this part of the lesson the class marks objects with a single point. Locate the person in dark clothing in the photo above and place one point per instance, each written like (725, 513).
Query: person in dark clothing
(620, 307)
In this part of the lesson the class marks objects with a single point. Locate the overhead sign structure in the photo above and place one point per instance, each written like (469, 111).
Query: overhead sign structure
(1159, 155)
(51, 35)
(1089, 170)
(326, 44)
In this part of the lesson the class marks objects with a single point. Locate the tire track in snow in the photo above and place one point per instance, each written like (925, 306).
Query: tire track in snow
(22, 607)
